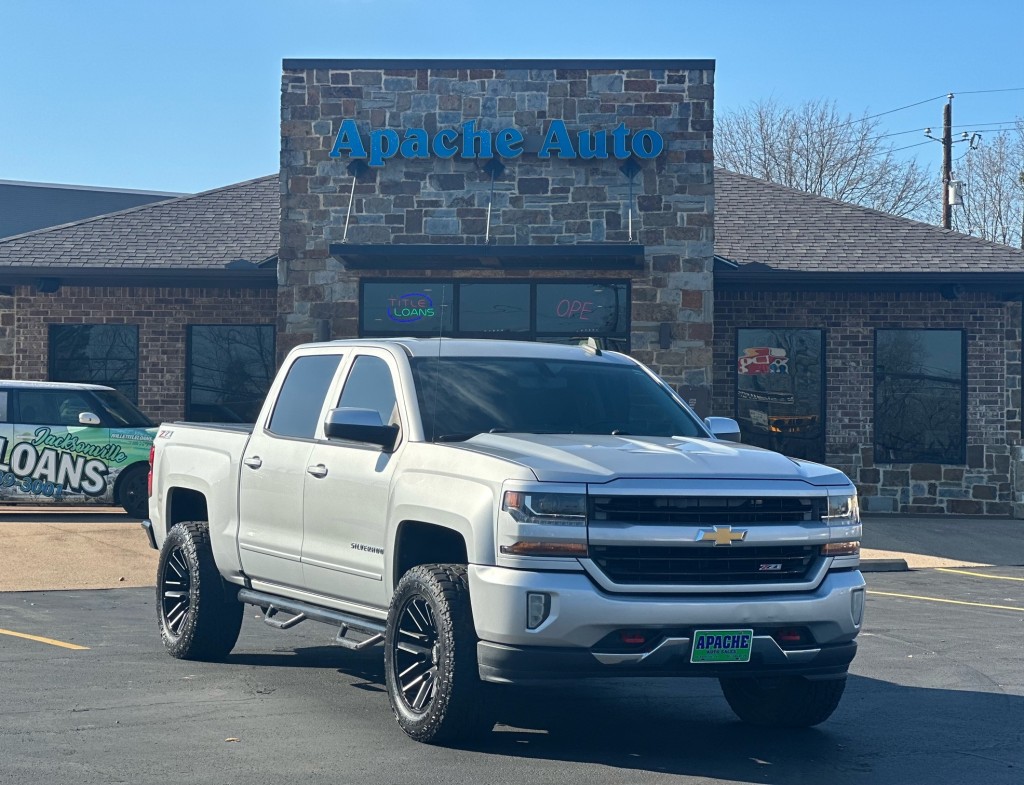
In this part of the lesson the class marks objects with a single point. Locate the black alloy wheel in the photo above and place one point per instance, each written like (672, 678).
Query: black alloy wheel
(176, 585)
(199, 615)
(430, 664)
(416, 654)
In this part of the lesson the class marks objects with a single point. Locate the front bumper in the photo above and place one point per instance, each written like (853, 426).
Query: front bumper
(574, 639)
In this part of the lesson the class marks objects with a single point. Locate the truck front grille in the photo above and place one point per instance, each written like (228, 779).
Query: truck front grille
(677, 565)
(705, 510)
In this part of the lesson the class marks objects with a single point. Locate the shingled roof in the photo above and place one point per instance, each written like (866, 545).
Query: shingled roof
(205, 231)
(789, 230)
(765, 229)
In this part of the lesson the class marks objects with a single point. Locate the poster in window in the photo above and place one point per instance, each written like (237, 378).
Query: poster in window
(780, 390)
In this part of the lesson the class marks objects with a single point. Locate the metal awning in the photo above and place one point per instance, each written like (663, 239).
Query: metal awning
(582, 256)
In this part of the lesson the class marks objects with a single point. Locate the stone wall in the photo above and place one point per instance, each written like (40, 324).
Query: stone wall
(536, 202)
(984, 485)
(162, 316)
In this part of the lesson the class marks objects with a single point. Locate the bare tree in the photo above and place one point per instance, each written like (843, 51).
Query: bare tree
(814, 148)
(993, 193)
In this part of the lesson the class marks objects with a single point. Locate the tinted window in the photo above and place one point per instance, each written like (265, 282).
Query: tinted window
(3, 407)
(779, 391)
(105, 354)
(407, 308)
(302, 396)
(490, 307)
(369, 386)
(919, 396)
(465, 396)
(580, 309)
(230, 369)
(54, 407)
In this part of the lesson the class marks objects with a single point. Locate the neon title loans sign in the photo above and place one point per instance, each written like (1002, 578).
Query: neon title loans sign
(470, 142)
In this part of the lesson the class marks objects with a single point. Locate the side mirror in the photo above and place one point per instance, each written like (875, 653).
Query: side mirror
(724, 428)
(360, 425)
(88, 418)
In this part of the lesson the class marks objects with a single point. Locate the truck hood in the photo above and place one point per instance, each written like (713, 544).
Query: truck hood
(599, 459)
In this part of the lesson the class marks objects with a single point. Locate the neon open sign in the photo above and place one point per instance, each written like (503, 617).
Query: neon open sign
(470, 142)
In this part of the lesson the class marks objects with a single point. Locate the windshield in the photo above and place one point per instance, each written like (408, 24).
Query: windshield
(122, 412)
(461, 397)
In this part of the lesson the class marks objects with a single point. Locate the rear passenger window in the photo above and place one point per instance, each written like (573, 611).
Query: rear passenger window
(302, 395)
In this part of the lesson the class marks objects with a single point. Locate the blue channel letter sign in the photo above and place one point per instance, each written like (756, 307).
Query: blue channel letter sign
(470, 142)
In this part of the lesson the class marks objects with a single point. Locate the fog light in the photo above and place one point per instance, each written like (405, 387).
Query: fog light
(857, 605)
(538, 606)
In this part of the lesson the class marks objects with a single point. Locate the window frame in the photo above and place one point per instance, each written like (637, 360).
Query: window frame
(964, 380)
(189, 340)
(51, 360)
(532, 334)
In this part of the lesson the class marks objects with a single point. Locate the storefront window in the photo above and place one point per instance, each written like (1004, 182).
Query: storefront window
(406, 308)
(550, 311)
(494, 307)
(230, 368)
(96, 354)
(780, 382)
(920, 396)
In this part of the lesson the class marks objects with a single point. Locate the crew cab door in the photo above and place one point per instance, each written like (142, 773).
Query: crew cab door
(274, 470)
(346, 493)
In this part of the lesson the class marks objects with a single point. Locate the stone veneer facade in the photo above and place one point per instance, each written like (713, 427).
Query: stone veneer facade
(161, 314)
(536, 202)
(991, 482)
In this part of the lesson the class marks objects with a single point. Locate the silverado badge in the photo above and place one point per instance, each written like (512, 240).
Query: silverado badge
(722, 535)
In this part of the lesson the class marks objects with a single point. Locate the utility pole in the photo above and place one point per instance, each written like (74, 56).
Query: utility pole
(947, 161)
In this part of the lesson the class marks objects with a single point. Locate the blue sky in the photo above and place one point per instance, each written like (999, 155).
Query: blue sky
(180, 95)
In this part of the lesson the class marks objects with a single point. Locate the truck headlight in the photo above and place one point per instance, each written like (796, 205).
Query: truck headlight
(843, 519)
(543, 524)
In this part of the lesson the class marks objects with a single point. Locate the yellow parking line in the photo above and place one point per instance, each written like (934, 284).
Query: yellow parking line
(980, 574)
(40, 639)
(951, 602)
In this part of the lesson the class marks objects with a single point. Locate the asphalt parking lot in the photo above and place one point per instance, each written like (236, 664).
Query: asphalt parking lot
(936, 695)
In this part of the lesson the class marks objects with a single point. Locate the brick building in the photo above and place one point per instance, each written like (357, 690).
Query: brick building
(883, 346)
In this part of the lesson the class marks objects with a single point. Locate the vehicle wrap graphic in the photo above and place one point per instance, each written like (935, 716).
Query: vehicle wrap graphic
(76, 464)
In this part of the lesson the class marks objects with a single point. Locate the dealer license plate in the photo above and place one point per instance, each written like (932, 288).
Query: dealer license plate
(721, 645)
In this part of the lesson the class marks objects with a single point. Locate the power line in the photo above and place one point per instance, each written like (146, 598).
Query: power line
(961, 125)
(1000, 90)
(884, 152)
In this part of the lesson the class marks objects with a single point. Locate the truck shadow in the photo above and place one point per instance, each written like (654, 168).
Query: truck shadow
(881, 733)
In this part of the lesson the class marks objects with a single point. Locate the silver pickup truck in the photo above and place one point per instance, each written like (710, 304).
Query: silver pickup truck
(495, 512)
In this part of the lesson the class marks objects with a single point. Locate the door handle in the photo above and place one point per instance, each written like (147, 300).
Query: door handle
(317, 471)
(253, 462)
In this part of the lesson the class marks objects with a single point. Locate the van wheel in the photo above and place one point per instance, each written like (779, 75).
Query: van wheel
(199, 615)
(133, 491)
(430, 665)
(787, 701)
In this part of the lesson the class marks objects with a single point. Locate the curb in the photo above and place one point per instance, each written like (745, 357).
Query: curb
(884, 565)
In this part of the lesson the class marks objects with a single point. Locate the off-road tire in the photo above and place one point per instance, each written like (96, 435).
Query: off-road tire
(430, 615)
(198, 613)
(132, 493)
(787, 701)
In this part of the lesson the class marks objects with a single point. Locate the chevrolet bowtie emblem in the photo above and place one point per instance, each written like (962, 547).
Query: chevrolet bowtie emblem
(722, 535)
